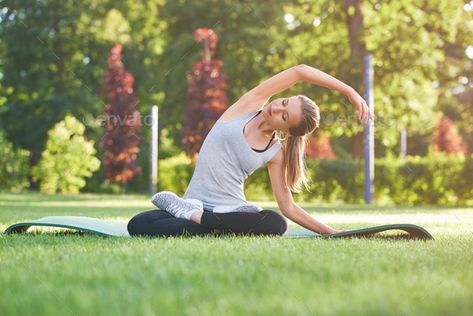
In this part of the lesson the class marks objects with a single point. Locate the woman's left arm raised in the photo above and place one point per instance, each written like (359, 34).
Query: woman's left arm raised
(320, 78)
(255, 99)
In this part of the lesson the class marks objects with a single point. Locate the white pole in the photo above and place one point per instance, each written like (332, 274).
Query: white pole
(403, 144)
(369, 129)
(153, 187)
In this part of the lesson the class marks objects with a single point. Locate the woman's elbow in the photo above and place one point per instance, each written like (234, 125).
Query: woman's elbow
(299, 69)
(286, 209)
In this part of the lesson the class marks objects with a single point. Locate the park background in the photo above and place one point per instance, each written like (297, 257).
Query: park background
(104, 64)
(78, 80)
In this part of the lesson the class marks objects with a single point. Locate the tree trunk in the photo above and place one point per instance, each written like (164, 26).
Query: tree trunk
(355, 31)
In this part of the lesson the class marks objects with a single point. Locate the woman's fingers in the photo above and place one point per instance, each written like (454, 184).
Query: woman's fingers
(364, 112)
(360, 110)
(367, 113)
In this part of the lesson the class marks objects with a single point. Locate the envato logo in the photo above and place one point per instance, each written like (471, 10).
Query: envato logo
(117, 120)
(344, 120)
(347, 120)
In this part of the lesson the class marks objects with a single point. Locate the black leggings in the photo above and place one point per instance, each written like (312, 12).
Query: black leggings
(163, 224)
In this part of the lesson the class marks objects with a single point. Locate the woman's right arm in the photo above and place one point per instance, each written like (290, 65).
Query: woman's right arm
(285, 201)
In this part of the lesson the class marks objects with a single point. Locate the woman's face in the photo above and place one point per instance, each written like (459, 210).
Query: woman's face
(283, 113)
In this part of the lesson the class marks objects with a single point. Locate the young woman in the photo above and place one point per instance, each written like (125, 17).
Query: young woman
(243, 139)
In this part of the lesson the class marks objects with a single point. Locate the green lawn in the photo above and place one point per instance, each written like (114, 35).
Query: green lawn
(72, 274)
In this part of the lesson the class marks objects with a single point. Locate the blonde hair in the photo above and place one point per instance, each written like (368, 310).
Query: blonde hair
(295, 142)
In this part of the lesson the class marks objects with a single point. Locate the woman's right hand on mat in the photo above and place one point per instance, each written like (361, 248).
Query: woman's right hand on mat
(335, 231)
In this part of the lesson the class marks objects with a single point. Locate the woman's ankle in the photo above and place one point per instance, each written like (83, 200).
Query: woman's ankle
(196, 216)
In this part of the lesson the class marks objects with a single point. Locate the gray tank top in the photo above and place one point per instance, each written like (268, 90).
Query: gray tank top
(225, 161)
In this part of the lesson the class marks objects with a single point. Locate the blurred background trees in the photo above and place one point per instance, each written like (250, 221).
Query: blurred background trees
(53, 55)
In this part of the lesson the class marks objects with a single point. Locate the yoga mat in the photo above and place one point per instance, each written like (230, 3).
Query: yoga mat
(119, 229)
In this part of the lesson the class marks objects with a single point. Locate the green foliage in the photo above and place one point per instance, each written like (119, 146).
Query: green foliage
(439, 179)
(167, 148)
(174, 173)
(14, 166)
(111, 188)
(433, 180)
(47, 63)
(67, 159)
(408, 44)
(54, 52)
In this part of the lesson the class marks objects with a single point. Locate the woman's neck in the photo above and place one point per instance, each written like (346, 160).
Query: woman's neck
(259, 124)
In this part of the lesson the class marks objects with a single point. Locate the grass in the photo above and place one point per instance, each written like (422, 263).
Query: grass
(73, 274)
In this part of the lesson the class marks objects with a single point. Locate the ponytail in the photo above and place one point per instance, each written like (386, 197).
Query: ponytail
(295, 142)
(294, 151)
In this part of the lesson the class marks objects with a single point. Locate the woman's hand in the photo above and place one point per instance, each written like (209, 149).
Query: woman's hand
(334, 231)
(364, 112)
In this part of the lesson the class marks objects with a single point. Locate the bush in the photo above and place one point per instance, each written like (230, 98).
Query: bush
(442, 179)
(174, 173)
(14, 166)
(67, 159)
(438, 179)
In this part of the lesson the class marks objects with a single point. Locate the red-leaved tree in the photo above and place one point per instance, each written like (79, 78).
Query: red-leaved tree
(206, 95)
(121, 122)
(319, 147)
(447, 139)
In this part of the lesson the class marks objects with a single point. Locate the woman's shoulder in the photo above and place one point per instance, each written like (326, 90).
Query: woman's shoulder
(230, 116)
(248, 105)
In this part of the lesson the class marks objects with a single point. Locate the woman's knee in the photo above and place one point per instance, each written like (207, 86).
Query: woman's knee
(138, 223)
(135, 224)
(275, 223)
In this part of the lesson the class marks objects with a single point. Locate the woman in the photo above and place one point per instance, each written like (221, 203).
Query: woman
(214, 201)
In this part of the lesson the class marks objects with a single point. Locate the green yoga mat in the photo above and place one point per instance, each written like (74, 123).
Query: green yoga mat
(119, 229)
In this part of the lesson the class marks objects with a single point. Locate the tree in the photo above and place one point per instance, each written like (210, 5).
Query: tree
(207, 99)
(67, 159)
(405, 37)
(408, 45)
(49, 66)
(121, 121)
(52, 57)
(248, 33)
(447, 139)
